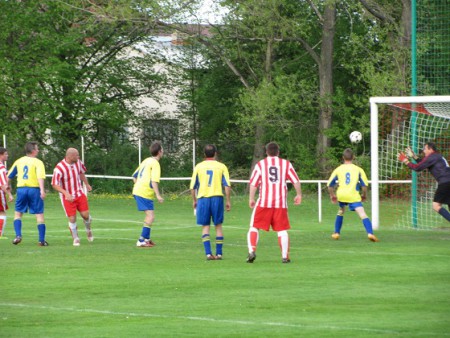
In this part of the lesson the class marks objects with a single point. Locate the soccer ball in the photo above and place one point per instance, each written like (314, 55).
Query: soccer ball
(355, 137)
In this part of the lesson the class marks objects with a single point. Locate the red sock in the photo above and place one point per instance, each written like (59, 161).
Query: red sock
(2, 224)
(252, 238)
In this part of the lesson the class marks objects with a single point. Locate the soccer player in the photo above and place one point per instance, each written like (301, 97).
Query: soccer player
(206, 185)
(270, 175)
(439, 168)
(30, 172)
(146, 187)
(5, 190)
(349, 178)
(67, 177)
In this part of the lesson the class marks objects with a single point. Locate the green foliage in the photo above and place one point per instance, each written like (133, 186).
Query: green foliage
(371, 56)
(65, 74)
(121, 159)
(265, 44)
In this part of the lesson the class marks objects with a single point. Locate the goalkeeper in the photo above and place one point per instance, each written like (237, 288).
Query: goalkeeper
(349, 177)
(438, 167)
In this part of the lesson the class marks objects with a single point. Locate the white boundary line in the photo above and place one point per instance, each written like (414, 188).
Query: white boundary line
(209, 319)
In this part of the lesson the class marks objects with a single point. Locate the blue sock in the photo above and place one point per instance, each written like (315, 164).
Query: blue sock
(41, 229)
(338, 223)
(145, 234)
(219, 245)
(444, 213)
(207, 244)
(18, 227)
(368, 225)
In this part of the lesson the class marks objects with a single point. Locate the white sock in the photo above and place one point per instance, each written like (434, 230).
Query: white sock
(73, 230)
(283, 240)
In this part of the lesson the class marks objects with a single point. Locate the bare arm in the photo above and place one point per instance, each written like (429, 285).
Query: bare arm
(228, 200)
(363, 193)
(7, 190)
(194, 198)
(66, 194)
(332, 195)
(85, 181)
(298, 190)
(251, 200)
(42, 187)
(155, 187)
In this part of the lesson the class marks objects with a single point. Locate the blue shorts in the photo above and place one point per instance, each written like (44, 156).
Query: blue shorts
(143, 204)
(29, 199)
(351, 206)
(210, 207)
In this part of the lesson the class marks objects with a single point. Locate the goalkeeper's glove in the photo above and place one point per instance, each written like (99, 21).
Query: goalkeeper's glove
(402, 158)
(410, 153)
(334, 199)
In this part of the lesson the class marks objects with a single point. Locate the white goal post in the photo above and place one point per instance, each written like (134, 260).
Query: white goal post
(375, 142)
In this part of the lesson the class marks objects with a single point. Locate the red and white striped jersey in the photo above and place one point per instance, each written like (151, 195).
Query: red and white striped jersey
(3, 181)
(3, 174)
(68, 177)
(270, 175)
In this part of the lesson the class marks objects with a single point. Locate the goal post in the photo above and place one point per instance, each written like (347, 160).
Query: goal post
(396, 123)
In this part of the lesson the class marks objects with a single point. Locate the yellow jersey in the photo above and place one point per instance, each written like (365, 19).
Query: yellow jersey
(28, 170)
(349, 178)
(148, 171)
(208, 178)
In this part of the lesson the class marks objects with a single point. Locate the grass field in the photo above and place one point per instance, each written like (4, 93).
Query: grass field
(399, 287)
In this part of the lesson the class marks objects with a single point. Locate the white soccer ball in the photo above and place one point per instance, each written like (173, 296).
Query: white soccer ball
(355, 137)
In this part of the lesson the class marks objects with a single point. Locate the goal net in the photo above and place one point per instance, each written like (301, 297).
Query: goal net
(402, 197)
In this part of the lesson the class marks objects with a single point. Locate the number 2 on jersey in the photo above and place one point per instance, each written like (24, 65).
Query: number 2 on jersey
(25, 172)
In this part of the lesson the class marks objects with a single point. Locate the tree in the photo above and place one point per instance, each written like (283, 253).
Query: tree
(393, 29)
(250, 43)
(318, 91)
(67, 71)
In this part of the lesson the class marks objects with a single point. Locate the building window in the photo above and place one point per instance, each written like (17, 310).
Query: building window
(164, 130)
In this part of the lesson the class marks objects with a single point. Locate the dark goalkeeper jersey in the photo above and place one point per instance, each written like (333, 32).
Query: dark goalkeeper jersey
(436, 164)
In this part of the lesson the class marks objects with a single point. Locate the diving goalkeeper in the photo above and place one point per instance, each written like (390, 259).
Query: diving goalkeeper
(438, 167)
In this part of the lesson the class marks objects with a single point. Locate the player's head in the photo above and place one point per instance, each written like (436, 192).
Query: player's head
(272, 149)
(155, 148)
(347, 155)
(210, 150)
(31, 147)
(72, 155)
(430, 146)
(3, 154)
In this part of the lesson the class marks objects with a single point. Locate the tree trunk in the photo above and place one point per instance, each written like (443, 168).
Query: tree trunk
(326, 84)
(258, 150)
